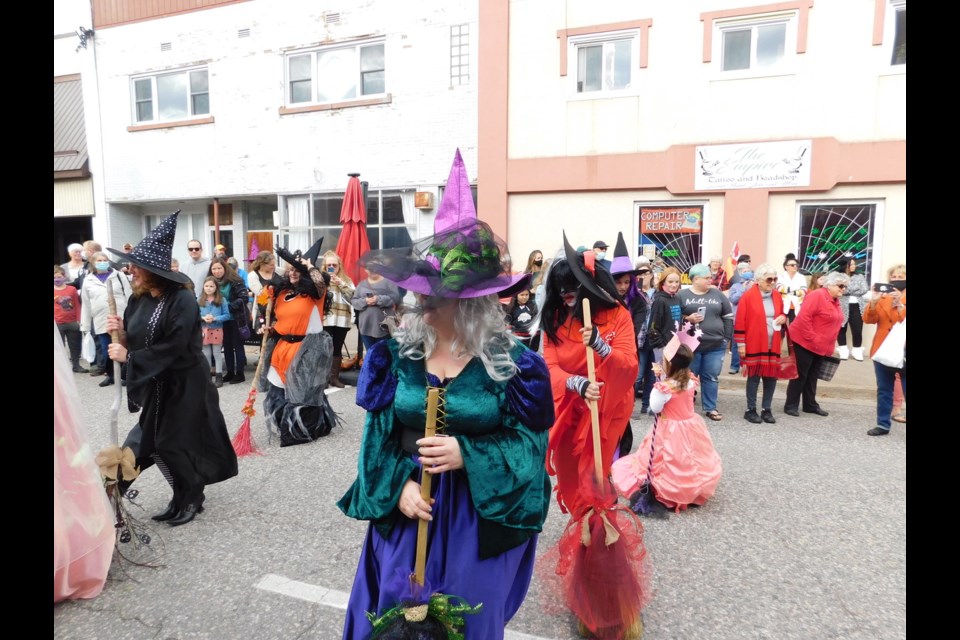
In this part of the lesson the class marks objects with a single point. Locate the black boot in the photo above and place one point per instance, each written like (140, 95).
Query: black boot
(171, 512)
(237, 379)
(187, 514)
(228, 376)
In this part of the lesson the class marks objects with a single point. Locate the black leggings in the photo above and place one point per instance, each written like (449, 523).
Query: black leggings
(339, 334)
(856, 328)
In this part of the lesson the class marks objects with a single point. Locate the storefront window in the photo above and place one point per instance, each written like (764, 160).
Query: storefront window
(830, 231)
(671, 235)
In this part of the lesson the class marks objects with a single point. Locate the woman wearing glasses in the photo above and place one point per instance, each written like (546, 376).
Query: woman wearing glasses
(792, 285)
(814, 336)
(757, 330)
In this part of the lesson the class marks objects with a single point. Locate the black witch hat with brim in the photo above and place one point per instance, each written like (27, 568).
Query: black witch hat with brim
(155, 252)
(293, 259)
(586, 268)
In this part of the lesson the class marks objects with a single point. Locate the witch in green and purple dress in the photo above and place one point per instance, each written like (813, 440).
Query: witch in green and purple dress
(491, 491)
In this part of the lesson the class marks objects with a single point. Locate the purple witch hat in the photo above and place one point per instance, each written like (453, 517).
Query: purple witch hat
(621, 259)
(463, 259)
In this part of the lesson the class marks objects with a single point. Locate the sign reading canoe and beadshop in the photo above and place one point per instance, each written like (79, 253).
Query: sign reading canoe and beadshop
(753, 165)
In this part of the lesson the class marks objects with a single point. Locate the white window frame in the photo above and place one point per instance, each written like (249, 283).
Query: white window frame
(574, 43)
(890, 35)
(155, 98)
(787, 66)
(314, 80)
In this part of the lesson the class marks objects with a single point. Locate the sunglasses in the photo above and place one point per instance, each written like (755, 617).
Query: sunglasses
(193, 248)
(769, 280)
(643, 272)
(840, 286)
(792, 264)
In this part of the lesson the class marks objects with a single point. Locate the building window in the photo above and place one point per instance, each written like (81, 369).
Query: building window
(605, 63)
(756, 46)
(336, 74)
(391, 219)
(899, 54)
(829, 232)
(671, 235)
(170, 97)
(459, 54)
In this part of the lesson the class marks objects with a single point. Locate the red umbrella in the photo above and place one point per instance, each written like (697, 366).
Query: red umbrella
(353, 241)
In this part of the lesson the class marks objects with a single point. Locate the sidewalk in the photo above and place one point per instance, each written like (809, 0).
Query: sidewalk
(853, 381)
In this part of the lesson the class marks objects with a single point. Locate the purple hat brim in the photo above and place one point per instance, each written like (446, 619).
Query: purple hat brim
(426, 285)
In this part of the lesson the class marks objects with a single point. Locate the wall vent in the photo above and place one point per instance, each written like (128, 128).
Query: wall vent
(331, 17)
(243, 33)
(165, 46)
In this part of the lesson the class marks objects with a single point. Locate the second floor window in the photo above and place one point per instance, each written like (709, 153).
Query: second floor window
(899, 55)
(605, 64)
(170, 97)
(757, 46)
(336, 74)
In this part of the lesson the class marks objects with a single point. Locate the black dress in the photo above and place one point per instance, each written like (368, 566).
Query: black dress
(181, 421)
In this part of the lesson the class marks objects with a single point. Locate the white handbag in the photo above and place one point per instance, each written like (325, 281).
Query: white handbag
(88, 350)
(892, 351)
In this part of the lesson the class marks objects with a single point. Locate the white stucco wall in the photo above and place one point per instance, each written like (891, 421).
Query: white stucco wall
(251, 149)
(843, 86)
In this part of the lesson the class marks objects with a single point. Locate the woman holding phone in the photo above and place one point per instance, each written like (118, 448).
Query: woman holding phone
(340, 314)
(886, 307)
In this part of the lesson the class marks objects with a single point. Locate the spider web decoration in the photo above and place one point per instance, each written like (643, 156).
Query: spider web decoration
(828, 233)
(680, 250)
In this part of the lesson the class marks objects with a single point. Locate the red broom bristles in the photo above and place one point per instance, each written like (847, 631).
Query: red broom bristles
(243, 444)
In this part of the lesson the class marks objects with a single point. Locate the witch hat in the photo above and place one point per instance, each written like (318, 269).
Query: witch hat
(586, 268)
(457, 202)
(155, 252)
(621, 259)
(293, 259)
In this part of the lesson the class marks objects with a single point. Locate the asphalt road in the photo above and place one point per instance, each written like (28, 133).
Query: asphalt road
(805, 538)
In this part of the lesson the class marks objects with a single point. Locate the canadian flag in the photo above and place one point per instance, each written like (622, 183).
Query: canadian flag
(731, 263)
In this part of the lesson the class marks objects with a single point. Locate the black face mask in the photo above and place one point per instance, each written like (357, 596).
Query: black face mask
(899, 285)
(539, 262)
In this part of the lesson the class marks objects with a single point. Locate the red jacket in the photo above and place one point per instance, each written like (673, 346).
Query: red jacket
(750, 330)
(818, 322)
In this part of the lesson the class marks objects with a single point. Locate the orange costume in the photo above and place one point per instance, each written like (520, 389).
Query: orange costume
(570, 453)
(296, 315)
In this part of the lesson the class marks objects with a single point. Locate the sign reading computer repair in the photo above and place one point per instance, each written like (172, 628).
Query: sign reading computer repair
(754, 165)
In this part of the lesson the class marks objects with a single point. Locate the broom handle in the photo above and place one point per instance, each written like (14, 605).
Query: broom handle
(420, 567)
(594, 411)
(115, 339)
(263, 341)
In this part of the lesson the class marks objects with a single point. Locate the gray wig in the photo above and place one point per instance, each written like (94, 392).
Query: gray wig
(481, 330)
(835, 277)
(765, 269)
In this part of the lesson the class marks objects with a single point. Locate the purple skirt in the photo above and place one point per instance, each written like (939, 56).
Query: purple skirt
(454, 566)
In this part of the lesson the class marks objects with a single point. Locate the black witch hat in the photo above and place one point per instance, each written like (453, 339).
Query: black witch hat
(587, 269)
(293, 259)
(155, 252)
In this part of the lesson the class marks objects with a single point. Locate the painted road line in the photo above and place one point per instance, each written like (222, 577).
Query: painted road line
(335, 599)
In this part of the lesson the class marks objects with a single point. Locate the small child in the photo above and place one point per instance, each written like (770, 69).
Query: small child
(522, 313)
(66, 313)
(214, 311)
(685, 468)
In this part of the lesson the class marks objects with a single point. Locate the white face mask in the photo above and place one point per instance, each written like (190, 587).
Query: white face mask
(600, 255)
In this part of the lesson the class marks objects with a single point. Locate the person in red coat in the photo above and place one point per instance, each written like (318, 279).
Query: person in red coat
(814, 336)
(758, 335)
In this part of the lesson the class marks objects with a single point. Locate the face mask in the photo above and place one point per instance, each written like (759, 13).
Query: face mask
(746, 275)
(58, 281)
(899, 285)
(600, 255)
(539, 262)
(331, 269)
(102, 266)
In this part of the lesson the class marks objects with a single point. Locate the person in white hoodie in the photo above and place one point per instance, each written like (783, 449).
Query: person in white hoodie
(95, 308)
(197, 266)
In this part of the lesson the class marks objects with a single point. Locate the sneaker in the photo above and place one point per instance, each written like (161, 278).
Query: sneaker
(767, 416)
(857, 353)
(752, 416)
(734, 372)
(877, 431)
(843, 352)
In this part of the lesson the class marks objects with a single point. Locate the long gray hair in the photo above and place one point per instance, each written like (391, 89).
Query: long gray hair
(481, 331)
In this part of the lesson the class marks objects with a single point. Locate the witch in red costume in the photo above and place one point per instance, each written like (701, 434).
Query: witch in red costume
(604, 585)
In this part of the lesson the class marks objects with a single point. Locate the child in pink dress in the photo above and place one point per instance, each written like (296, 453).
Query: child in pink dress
(685, 468)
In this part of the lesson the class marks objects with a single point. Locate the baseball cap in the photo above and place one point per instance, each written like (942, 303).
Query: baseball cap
(600, 244)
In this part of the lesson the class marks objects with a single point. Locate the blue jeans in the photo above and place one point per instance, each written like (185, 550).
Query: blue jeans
(886, 377)
(735, 358)
(103, 359)
(645, 377)
(707, 366)
(369, 341)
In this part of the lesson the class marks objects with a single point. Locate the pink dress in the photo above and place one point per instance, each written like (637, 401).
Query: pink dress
(83, 533)
(686, 467)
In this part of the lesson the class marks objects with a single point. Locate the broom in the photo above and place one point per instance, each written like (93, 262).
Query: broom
(606, 579)
(243, 444)
(436, 616)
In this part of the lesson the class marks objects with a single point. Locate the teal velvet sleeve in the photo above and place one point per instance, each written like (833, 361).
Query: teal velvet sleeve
(383, 467)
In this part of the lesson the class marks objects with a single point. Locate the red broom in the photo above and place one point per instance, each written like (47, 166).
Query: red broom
(243, 443)
(606, 582)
